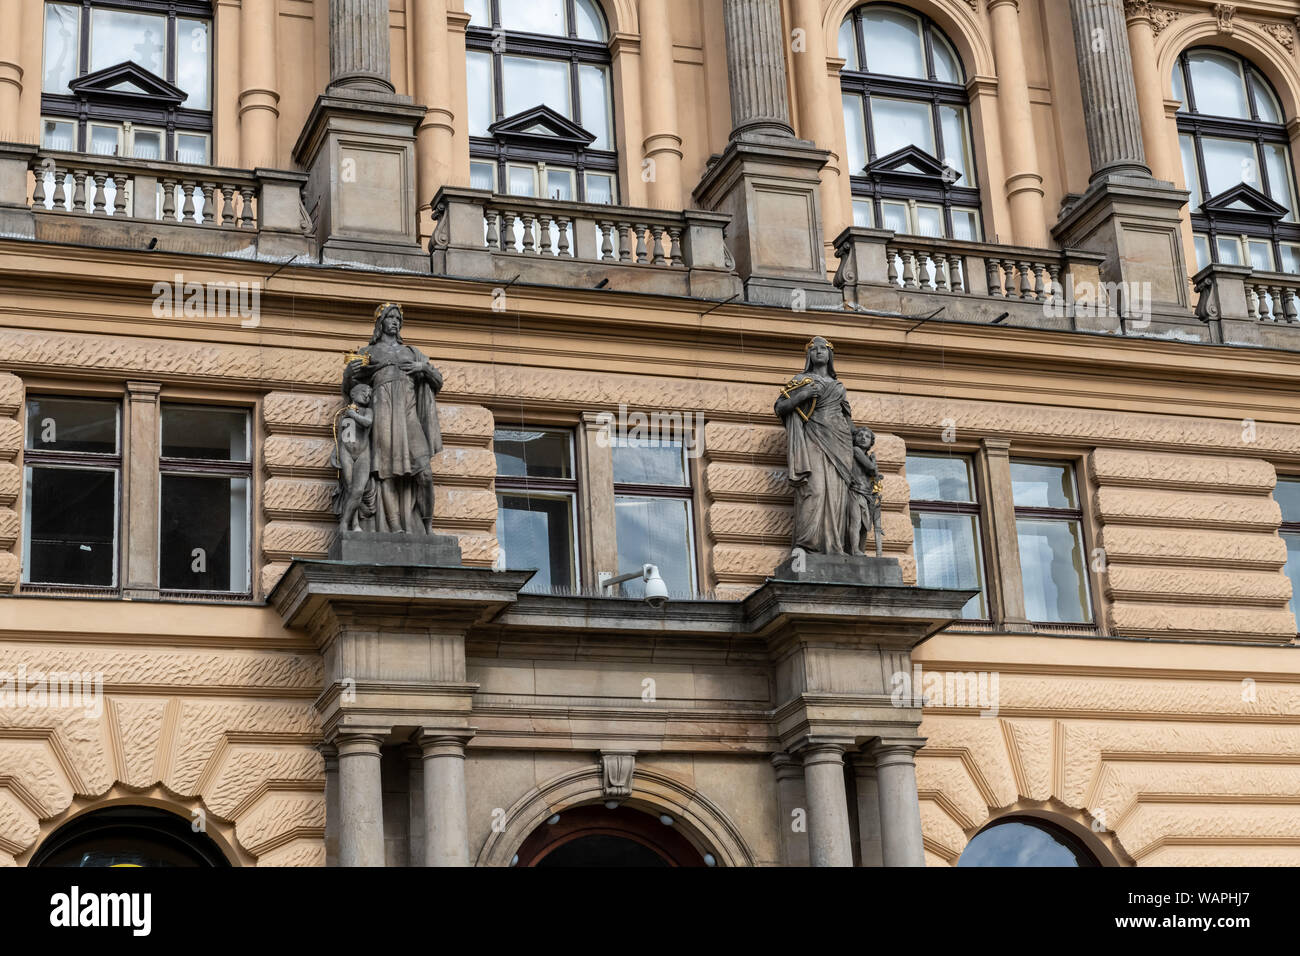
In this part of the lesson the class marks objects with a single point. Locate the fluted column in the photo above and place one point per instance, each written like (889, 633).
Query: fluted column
(1024, 184)
(259, 99)
(1150, 90)
(829, 837)
(361, 801)
(359, 57)
(756, 69)
(446, 832)
(1110, 108)
(663, 142)
(900, 810)
(434, 136)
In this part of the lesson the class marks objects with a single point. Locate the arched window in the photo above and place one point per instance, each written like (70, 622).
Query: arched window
(1237, 163)
(131, 79)
(1025, 841)
(128, 836)
(907, 121)
(541, 120)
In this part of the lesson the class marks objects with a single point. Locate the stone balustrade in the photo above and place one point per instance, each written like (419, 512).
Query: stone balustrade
(102, 201)
(478, 234)
(1244, 306)
(880, 270)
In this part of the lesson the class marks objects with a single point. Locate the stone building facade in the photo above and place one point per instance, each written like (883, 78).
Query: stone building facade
(1054, 245)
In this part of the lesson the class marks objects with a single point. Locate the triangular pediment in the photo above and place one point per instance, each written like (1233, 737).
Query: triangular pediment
(541, 123)
(911, 162)
(1244, 201)
(128, 81)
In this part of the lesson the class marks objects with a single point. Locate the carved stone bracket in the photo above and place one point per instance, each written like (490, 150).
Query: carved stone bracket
(616, 774)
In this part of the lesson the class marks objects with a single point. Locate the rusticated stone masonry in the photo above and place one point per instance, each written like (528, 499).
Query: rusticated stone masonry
(11, 442)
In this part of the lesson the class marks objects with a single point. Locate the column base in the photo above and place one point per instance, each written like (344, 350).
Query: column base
(358, 148)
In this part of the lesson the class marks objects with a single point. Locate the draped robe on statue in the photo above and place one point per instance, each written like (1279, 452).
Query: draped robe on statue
(821, 464)
(404, 436)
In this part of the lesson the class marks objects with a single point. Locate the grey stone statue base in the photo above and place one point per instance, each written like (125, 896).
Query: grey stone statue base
(841, 569)
(404, 550)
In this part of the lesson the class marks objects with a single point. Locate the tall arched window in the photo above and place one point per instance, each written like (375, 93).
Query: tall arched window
(1237, 163)
(1025, 841)
(907, 120)
(131, 79)
(541, 120)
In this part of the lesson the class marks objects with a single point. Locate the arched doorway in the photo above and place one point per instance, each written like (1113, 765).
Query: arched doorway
(128, 836)
(1026, 841)
(611, 837)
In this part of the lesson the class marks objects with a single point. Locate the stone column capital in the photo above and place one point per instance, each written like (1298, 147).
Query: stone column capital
(786, 766)
(895, 751)
(349, 744)
(821, 752)
(992, 5)
(1137, 10)
(330, 754)
(441, 743)
(996, 446)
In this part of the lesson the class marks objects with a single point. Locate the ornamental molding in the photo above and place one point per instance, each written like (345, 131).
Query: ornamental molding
(1161, 17)
(1283, 33)
(1224, 13)
(616, 774)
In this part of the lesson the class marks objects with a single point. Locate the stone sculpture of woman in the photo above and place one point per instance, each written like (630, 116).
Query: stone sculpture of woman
(819, 430)
(404, 432)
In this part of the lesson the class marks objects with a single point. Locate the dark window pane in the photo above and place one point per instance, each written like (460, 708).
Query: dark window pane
(71, 424)
(1287, 495)
(71, 527)
(212, 434)
(533, 453)
(203, 539)
(939, 478)
(536, 531)
(649, 462)
(1038, 485)
(1022, 844)
(655, 531)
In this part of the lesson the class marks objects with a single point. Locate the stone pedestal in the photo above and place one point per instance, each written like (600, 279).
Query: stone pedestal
(424, 550)
(358, 148)
(841, 569)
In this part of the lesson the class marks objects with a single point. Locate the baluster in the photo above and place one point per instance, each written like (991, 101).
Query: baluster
(957, 273)
(187, 207)
(246, 220)
(657, 232)
(227, 204)
(1026, 290)
(545, 247)
(169, 199)
(1253, 301)
(1039, 291)
(606, 239)
(38, 185)
(530, 241)
(993, 275)
(1054, 281)
(208, 192)
(1276, 309)
(79, 191)
(565, 250)
(624, 242)
(1009, 275)
(675, 246)
(99, 204)
(1289, 305)
(909, 269)
(641, 254)
(891, 257)
(119, 193)
(508, 238)
(493, 236)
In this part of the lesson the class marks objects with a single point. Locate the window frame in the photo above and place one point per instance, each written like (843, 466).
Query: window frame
(1259, 133)
(74, 461)
(209, 468)
(976, 508)
(524, 484)
(1289, 527)
(932, 91)
(575, 52)
(1058, 514)
(684, 492)
(170, 119)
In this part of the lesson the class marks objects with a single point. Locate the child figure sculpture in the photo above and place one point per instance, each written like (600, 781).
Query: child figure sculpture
(353, 453)
(864, 494)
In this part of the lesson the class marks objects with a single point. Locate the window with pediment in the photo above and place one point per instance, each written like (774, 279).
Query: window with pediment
(133, 78)
(1236, 162)
(907, 123)
(541, 120)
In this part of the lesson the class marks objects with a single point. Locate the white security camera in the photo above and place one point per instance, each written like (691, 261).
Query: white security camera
(656, 591)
